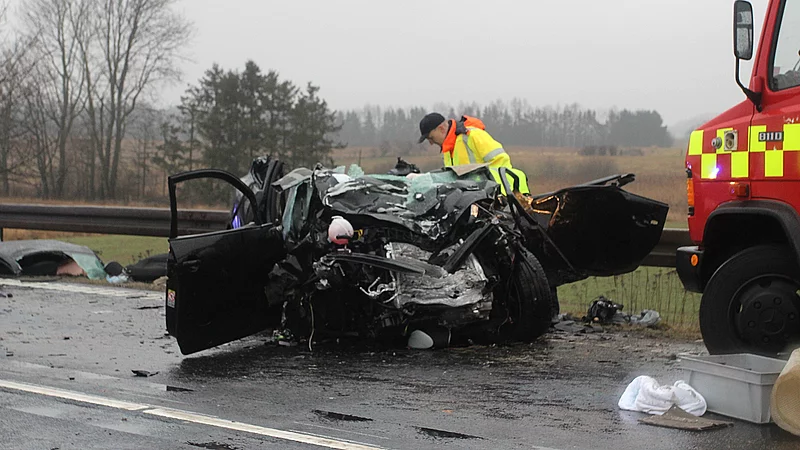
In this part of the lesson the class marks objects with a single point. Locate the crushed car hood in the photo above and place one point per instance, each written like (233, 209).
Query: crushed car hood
(428, 205)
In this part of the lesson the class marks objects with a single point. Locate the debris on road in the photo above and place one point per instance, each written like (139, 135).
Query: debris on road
(149, 269)
(445, 434)
(340, 416)
(212, 445)
(178, 389)
(570, 326)
(143, 373)
(602, 310)
(605, 311)
(644, 394)
(680, 419)
(647, 318)
(437, 337)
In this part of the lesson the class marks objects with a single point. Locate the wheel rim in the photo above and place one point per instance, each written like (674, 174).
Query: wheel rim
(766, 314)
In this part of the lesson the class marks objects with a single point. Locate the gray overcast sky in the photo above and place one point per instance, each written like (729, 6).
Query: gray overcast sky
(673, 56)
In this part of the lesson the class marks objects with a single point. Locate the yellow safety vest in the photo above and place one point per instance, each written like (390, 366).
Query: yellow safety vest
(478, 147)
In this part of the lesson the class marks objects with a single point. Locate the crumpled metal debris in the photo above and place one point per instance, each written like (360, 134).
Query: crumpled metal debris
(602, 310)
(568, 325)
(679, 419)
(605, 311)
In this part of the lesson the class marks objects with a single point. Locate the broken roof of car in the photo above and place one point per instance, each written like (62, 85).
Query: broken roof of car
(16, 257)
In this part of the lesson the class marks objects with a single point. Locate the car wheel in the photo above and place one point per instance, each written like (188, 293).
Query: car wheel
(528, 300)
(751, 303)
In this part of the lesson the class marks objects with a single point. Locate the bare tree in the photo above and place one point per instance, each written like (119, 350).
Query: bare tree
(13, 71)
(58, 90)
(133, 45)
(147, 132)
(190, 112)
(12, 155)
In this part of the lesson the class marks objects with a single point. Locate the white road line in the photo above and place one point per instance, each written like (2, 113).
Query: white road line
(70, 395)
(313, 425)
(271, 432)
(187, 416)
(82, 289)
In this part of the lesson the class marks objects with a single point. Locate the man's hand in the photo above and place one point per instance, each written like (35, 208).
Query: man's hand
(411, 176)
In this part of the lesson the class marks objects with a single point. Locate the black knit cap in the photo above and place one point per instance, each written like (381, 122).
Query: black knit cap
(428, 124)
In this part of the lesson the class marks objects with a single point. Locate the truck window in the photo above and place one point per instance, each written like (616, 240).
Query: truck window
(786, 59)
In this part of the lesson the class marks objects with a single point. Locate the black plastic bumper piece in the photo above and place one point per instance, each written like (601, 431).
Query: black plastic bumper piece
(689, 263)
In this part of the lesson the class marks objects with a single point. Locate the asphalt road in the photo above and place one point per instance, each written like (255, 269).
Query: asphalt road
(67, 353)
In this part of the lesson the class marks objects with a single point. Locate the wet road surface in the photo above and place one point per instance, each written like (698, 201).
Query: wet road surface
(64, 343)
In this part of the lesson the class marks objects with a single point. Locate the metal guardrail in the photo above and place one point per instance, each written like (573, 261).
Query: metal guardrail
(156, 221)
(109, 220)
(663, 255)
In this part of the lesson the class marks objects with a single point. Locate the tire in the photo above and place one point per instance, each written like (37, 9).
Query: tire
(751, 303)
(528, 304)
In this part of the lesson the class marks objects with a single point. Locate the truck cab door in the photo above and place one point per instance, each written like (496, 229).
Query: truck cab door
(775, 130)
(217, 281)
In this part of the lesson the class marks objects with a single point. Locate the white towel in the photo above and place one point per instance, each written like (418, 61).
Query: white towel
(644, 394)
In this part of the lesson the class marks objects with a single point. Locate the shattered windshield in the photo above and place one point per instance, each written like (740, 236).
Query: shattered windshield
(428, 204)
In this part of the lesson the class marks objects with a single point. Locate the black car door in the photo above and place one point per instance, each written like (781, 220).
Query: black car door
(216, 281)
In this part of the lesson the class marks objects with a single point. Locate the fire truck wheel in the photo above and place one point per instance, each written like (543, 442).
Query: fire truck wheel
(751, 304)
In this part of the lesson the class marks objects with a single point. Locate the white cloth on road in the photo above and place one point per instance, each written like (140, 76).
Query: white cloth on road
(644, 394)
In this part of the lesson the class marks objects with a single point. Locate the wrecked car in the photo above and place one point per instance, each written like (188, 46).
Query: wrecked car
(46, 257)
(336, 252)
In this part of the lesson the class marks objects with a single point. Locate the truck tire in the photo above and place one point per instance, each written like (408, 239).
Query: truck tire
(751, 303)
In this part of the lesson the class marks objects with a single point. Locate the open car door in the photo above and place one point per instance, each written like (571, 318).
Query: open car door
(599, 228)
(216, 281)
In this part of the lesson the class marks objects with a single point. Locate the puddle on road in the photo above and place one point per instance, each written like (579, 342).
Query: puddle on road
(441, 434)
(340, 416)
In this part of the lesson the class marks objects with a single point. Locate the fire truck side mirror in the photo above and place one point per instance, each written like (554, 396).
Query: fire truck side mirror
(743, 30)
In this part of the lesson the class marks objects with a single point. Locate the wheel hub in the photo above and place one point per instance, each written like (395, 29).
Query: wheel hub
(769, 316)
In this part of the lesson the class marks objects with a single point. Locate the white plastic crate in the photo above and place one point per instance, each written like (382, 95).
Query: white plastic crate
(736, 385)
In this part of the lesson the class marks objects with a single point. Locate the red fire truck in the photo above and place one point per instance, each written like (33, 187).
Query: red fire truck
(743, 191)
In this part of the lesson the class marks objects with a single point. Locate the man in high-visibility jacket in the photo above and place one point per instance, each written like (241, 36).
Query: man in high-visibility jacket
(467, 142)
